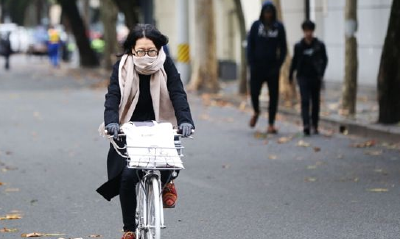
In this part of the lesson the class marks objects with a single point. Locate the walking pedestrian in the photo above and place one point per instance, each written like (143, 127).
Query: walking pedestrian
(53, 46)
(309, 62)
(145, 85)
(266, 52)
(6, 51)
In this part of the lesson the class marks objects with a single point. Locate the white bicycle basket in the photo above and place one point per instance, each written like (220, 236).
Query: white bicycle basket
(152, 146)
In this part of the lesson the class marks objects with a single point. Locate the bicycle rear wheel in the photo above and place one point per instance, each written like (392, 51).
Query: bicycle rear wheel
(153, 209)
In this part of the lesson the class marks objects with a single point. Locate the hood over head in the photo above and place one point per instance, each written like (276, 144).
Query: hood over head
(268, 6)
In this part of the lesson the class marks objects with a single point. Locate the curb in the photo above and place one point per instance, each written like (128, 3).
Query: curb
(375, 131)
(365, 130)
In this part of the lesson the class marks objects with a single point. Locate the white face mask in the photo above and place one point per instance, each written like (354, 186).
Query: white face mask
(144, 61)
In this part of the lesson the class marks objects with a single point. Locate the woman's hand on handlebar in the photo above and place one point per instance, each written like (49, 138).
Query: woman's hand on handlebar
(113, 130)
(185, 129)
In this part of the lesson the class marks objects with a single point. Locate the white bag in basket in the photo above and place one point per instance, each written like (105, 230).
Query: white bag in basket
(151, 146)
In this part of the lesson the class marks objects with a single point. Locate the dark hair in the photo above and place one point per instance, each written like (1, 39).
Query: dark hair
(308, 25)
(144, 30)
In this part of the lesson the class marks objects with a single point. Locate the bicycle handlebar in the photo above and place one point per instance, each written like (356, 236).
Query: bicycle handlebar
(124, 135)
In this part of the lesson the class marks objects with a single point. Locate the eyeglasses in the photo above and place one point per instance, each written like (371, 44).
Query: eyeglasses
(141, 53)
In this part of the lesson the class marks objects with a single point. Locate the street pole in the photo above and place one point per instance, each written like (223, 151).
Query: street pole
(307, 9)
(183, 58)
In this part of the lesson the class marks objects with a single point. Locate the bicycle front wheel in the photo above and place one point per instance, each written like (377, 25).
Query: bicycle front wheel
(153, 209)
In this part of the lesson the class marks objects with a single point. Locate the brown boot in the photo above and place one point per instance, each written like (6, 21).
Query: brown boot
(129, 235)
(272, 130)
(253, 120)
(169, 195)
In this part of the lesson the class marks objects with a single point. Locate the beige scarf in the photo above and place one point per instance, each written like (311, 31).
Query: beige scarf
(128, 75)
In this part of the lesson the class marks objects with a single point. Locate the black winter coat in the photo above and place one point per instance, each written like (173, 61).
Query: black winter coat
(143, 112)
(309, 60)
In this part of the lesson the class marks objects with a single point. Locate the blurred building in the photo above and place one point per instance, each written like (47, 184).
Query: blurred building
(373, 16)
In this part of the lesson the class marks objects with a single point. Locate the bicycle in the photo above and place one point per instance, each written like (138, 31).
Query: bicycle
(149, 210)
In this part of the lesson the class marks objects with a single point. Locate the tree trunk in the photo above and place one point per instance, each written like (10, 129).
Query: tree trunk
(16, 10)
(287, 90)
(39, 9)
(243, 60)
(129, 8)
(109, 12)
(3, 11)
(87, 56)
(389, 71)
(349, 91)
(205, 71)
(86, 13)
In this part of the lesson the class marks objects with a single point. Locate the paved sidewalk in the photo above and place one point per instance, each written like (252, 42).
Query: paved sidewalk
(364, 124)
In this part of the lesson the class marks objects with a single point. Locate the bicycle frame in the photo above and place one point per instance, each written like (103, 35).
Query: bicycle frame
(143, 211)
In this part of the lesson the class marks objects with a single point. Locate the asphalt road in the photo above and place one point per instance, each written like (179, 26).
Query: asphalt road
(237, 184)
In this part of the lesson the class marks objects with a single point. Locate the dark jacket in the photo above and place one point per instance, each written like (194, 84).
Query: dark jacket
(309, 60)
(266, 45)
(143, 112)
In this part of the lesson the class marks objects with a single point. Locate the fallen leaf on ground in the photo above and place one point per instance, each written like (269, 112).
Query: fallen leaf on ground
(317, 149)
(310, 179)
(302, 143)
(312, 167)
(349, 179)
(379, 170)
(94, 236)
(1, 184)
(38, 234)
(374, 152)
(226, 166)
(9, 190)
(366, 144)
(260, 135)
(8, 168)
(390, 146)
(8, 230)
(378, 190)
(11, 217)
(283, 140)
(273, 157)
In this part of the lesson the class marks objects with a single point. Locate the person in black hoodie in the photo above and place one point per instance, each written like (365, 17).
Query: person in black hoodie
(266, 52)
(310, 61)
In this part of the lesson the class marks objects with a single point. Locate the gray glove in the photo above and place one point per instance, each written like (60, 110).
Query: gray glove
(185, 129)
(113, 129)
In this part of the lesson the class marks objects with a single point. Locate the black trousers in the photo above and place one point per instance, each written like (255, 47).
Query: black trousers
(127, 194)
(257, 79)
(7, 62)
(310, 88)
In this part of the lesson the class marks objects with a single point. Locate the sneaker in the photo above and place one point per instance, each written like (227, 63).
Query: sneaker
(272, 130)
(169, 195)
(253, 120)
(306, 131)
(129, 235)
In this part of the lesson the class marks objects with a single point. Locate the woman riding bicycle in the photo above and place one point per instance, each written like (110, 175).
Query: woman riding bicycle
(144, 86)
